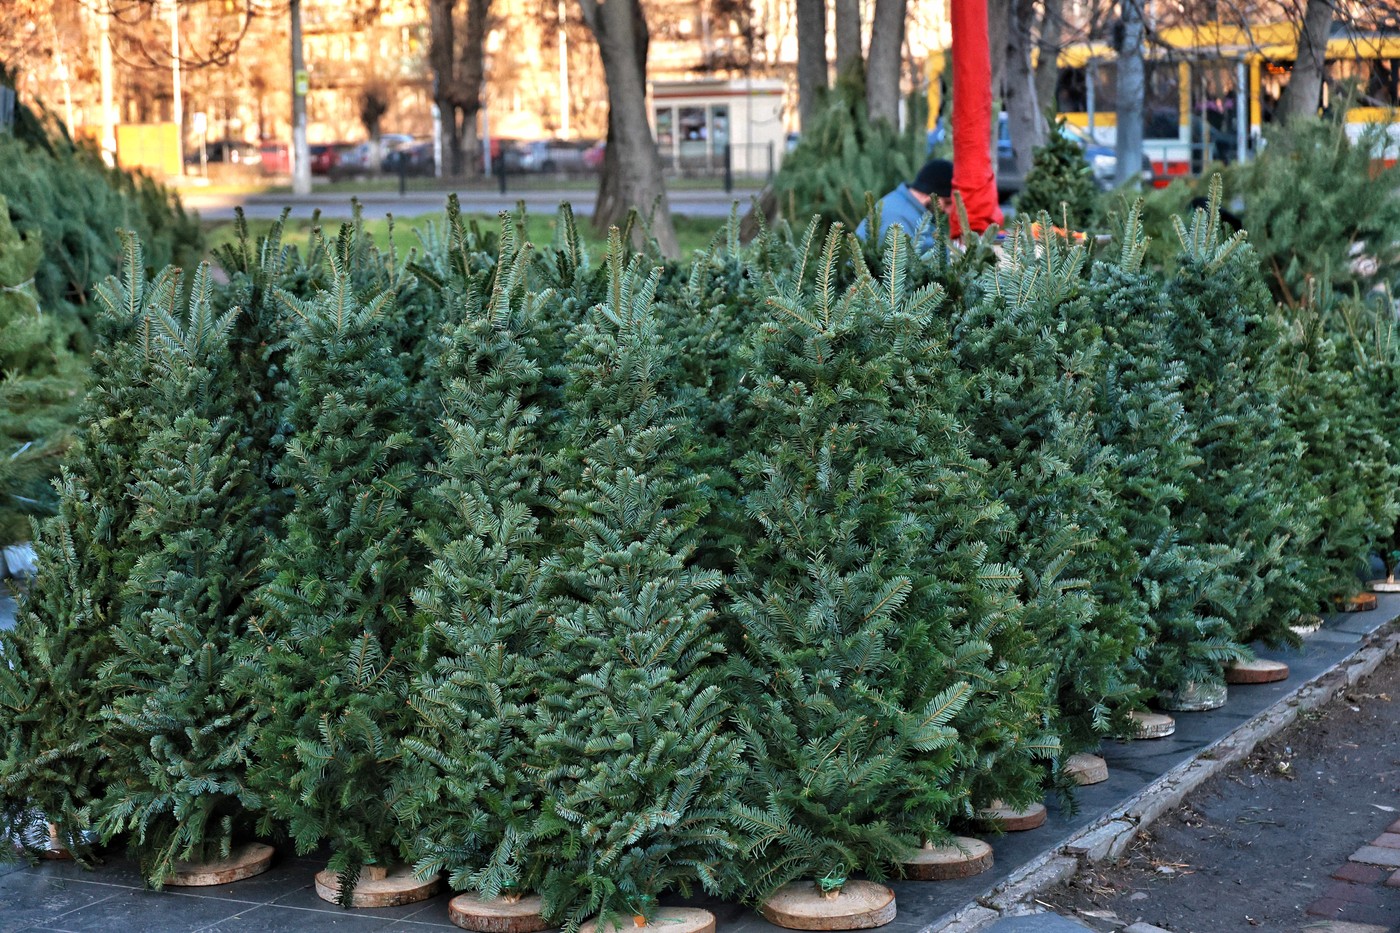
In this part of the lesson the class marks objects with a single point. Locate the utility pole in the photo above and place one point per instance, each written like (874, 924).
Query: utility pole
(177, 108)
(563, 73)
(301, 155)
(104, 64)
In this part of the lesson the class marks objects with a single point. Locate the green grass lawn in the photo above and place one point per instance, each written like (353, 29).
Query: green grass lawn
(693, 232)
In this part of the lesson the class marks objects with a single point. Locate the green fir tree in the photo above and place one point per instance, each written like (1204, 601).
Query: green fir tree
(327, 665)
(1141, 416)
(38, 388)
(1059, 183)
(1222, 326)
(867, 607)
(55, 762)
(177, 741)
(632, 739)
(1031, 352)
(465, 787)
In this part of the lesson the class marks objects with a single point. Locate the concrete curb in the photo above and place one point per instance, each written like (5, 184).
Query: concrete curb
(1109, 837)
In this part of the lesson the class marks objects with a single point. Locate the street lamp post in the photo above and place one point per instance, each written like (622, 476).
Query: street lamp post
(301, 156)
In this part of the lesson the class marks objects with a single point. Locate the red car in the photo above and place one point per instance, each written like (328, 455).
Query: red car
(593, 155)
(322, 158)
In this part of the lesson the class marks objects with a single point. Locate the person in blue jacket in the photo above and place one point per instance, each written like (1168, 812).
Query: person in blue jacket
(909, 204)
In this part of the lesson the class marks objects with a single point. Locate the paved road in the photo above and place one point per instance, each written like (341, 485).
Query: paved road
(336, 206)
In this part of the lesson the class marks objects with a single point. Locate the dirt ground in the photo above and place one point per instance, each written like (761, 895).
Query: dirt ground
(1256, 845)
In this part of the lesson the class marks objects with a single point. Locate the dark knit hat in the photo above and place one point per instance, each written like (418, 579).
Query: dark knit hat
(935, 178)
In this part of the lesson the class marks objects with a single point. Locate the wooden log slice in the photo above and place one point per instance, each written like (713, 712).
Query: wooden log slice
(497, 915)
(1195, 697)
(665, 920)
(390, 888)
(1257, 671)
(244, 861)
(861, 905)
(963, 859)
(1011, 820)
(1388, 585)
(1361, 602)
(1086, 769)
(1153, 725)
(1307, 625)
(55, 851)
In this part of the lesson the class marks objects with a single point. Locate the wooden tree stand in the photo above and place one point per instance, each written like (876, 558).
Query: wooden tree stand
(244, 861)
(665, 920)
(55, 851)
(504, 914)
(379, 887)
(963, 859)
(1307, 625)
(1195, 698)
(1153, 725)
(1086, 769)
(1388, 585)
(1361, 602)
(1257, 671)
(1011, 820)
(858, 905)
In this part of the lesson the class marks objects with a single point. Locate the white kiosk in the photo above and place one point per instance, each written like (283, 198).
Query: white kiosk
(695, 122)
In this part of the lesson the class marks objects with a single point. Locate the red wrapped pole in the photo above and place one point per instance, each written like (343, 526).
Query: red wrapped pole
(974, 177)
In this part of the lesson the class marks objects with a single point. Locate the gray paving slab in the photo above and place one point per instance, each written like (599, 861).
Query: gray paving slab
(7, 607)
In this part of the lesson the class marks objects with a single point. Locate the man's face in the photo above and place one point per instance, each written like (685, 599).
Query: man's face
(944, 204)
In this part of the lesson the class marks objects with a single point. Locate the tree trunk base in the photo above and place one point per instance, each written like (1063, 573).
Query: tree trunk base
(1011, 820)
(1361, 602)
(497, 915)
(244, 861)
(963, 859)
(860, 905)
(391, 888)
(1086, 769)
(1152, 725)
(1258, 671)
(668, 919)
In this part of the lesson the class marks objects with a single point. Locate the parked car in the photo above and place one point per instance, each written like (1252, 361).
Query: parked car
(1102, 160)
(323, 158)
(355, 159)
(545, 155)
(414, 159)
(593, 155)
(226, 151)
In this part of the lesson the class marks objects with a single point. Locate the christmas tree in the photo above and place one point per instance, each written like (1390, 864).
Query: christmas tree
(631, 739)
(55, 763)
(1221, 325)
(1031, 351)
(485, 596)
(1060, 182)
(1140, 416)
(866, 606)
(38, 388)
(178, 743)
(326, 664)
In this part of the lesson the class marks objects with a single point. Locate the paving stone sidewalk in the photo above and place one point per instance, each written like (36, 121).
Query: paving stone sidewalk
(1147, 778)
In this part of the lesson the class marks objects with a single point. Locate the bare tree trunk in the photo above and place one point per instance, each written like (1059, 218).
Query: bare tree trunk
(1303, 95)
(1047, 68)
(472, 81)
(882, 65)
(442, 58)
(811, 58)
(1023, 116)
(847, 34)
(998, 33)
(1132, 90)
(631, 169)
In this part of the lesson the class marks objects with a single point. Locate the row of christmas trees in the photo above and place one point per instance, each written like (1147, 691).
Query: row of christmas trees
(605, 580)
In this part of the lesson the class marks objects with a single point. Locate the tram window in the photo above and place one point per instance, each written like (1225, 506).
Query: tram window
(1162, 108)
(1071, 95)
